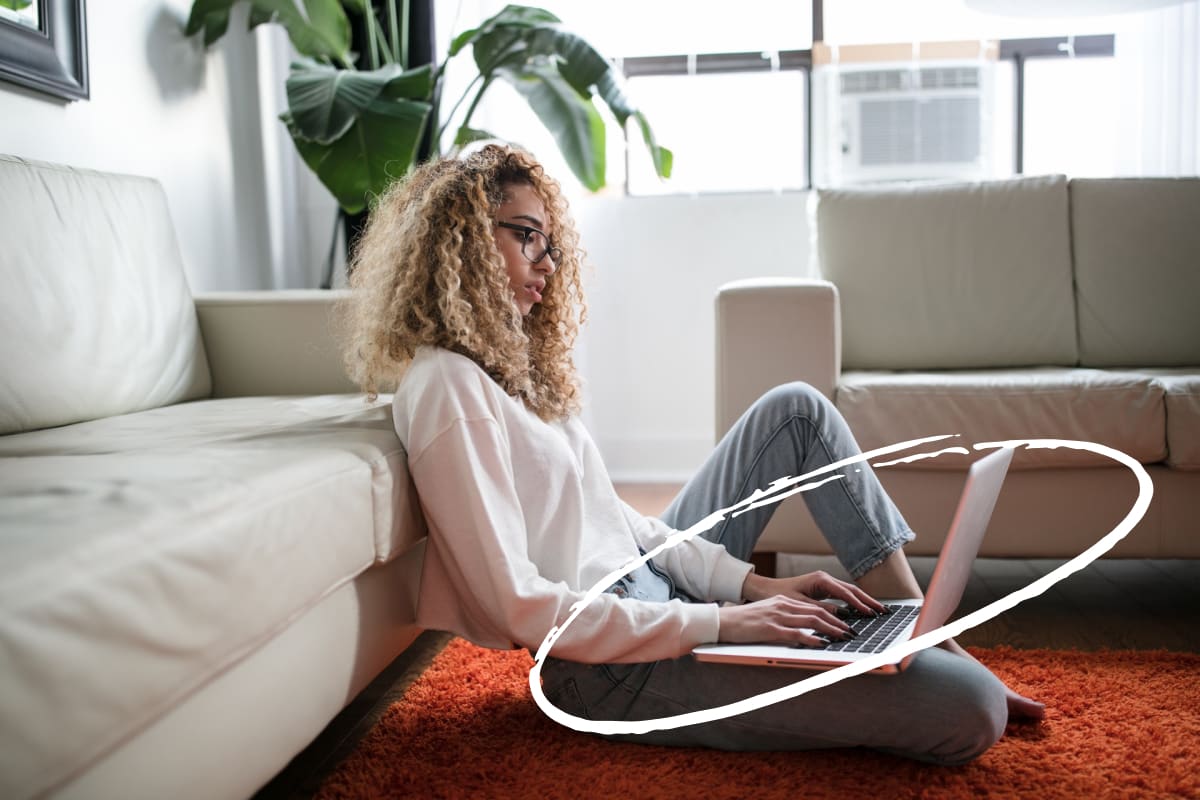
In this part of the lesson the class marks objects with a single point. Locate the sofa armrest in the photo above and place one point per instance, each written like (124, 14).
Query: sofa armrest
(272, 342)
(772, 331)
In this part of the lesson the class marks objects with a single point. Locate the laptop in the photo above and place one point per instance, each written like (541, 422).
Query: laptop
(908, 618)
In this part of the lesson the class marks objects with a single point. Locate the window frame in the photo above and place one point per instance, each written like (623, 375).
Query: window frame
(1021, 50)
(699, 64)
(1016, 50)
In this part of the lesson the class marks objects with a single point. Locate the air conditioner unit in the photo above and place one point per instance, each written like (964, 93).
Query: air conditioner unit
(906, 121)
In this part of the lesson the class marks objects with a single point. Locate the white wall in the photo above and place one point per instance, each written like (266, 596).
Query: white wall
(647, 353)
(162, 107)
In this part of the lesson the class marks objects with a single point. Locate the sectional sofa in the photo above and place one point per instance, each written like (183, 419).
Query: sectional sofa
(208, 541)
(1030, 308)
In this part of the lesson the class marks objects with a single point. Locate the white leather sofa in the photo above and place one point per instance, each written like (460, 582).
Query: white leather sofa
(207, 538)
(1016, 309)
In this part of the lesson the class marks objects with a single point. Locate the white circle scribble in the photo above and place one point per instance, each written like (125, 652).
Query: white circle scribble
(786, 487)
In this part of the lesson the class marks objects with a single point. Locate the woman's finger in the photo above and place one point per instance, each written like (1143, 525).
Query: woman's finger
(817, 618)
(855, 597)
(789, 635)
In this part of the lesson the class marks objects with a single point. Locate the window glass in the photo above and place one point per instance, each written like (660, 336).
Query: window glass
(882, 21)
(730, 132)
(1072, 120)
(626, 28)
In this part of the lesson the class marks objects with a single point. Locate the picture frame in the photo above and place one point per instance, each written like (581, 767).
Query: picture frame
(48, 51)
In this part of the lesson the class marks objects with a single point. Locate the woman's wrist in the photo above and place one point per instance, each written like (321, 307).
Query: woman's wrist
(756, 587)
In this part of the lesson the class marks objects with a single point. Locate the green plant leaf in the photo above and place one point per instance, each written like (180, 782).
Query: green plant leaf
(609, 90)
(509, 16)
(325, 33)
(580, 64)
(380, 146)
(325, 101)
(467, 135)
(413, 84)
(504, 47)
(322, 31)
(663, 158)
(571, 117)
(210, 16)
(259, 16)
(15, 5)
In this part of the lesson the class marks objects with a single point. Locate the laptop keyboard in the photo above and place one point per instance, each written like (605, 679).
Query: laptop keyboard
(874, 634)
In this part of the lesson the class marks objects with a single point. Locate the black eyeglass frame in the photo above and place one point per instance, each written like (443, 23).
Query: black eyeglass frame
(555, 252)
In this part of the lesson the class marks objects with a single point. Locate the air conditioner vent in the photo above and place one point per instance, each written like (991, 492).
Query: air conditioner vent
(950, 78)
(877, 81)
(937, 130)
(872, 81)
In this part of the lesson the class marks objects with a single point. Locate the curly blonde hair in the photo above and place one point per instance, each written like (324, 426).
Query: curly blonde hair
(427, 272)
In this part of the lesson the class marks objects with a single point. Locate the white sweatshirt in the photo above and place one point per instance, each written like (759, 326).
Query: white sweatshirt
(523, 520)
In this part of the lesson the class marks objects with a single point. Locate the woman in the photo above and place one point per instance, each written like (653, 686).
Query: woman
(466, 289)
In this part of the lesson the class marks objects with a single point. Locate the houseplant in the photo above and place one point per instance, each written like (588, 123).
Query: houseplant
(359, 128)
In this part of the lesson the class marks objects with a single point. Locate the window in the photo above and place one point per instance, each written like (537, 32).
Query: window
(730, 131)
(1045, 100)
(1069, 116)
(748, 102)
(724, 91)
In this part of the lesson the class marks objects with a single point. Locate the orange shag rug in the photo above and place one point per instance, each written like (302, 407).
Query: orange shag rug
(1118, 724)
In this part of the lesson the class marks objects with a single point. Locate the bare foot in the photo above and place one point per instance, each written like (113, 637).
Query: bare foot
(1020, 707)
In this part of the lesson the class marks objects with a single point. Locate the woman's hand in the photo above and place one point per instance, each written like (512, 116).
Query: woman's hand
(781, 619)
(790, 611)
(812, 587)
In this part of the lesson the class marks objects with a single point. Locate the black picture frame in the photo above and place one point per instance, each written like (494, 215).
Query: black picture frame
(52, 59)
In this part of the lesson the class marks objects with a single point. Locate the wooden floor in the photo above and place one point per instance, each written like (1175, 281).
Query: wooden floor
(1135, 604)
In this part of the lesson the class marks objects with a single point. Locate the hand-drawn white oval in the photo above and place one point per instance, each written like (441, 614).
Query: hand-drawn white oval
(780, 489)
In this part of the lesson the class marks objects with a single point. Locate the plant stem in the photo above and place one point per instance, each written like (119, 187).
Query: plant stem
(384, 47)
(394, 32)
(404, 32)
(479, 96)
(374, 49)
(450, 116)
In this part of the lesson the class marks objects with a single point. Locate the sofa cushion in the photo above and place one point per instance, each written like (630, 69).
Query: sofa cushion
(1181, 386)
(1137, 269)
(165, 545)
(95, 316)
(951, 276)
(1118, 409)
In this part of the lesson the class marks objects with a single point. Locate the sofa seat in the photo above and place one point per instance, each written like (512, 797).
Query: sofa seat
(163, 546)
(1123, 410)
(1182, 388)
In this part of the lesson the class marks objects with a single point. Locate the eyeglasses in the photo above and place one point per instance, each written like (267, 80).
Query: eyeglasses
(534, 244)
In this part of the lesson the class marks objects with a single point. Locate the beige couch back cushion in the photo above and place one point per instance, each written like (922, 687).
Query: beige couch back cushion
(96, 317)
(1137, 270)
(948, 276)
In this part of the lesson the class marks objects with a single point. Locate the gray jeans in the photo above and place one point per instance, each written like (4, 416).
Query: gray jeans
(943, 709)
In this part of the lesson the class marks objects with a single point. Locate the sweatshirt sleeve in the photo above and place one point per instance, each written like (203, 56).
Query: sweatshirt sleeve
(479, 550)
(703, 569)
